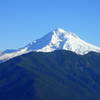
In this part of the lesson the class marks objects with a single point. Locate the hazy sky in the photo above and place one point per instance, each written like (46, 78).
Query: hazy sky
(22, 21)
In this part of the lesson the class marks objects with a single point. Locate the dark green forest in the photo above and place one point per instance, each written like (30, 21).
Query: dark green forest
(58, 75)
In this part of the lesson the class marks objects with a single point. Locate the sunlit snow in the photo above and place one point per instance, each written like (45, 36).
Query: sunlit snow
(57, 39)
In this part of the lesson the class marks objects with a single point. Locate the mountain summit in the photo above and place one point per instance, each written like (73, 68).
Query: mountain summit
(60, 39)
(57, 39)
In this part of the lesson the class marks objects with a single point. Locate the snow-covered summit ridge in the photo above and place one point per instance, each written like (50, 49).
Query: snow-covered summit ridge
(61, 31)
(57, 39)
(52, 39)
(61, 39)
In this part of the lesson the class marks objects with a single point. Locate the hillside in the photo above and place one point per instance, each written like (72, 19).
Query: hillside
(59, 75)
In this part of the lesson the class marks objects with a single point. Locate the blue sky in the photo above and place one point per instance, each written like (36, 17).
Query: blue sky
(22, 21)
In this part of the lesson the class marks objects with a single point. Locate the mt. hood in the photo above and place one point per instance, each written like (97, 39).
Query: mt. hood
(55, 40)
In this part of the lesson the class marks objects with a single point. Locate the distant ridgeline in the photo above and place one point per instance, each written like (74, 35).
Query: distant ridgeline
(58, 75)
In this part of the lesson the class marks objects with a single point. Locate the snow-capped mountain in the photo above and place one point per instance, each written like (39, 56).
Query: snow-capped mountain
(55, 40)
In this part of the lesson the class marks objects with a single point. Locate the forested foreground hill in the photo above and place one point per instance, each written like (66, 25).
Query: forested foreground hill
(59, 75)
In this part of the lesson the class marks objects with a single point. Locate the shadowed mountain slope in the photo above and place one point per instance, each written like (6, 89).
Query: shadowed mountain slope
(59, 75)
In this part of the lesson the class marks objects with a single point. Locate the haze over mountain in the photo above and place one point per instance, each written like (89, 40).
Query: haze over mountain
(57, 39)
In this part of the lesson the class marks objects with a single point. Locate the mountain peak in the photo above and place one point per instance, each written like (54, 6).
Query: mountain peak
(57, 39)
(59, 30)
(62, 32)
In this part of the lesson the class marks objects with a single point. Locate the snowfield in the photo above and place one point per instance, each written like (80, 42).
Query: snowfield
(57, 39)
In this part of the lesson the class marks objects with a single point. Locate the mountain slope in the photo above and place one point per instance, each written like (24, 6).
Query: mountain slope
(55, 40)
(59, 75)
